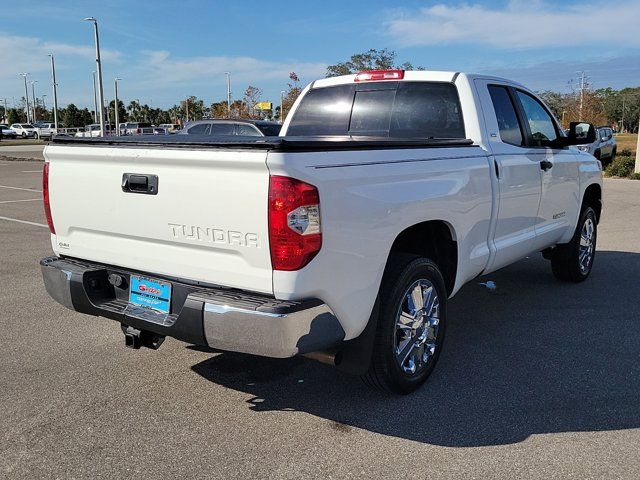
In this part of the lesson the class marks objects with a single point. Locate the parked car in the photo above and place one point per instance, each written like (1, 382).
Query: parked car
(342, 239)
(24, 130)
(134, 128)
(171, 127)
(6, 132)
(244, 127)
(47, 130)
(93, 130)
(604, 147)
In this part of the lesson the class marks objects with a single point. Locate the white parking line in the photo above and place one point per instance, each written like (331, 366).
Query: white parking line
(17, 201)
(24, 189)
(24, 221)
(31, 171)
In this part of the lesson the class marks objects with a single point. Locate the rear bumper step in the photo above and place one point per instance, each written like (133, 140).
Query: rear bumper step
(218, 317)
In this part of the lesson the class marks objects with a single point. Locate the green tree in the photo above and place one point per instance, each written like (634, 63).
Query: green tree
(122, 111)
(71, 116)
(370, 60)
(194, 107)
(175, 114)
(133, 111)
(14, 116)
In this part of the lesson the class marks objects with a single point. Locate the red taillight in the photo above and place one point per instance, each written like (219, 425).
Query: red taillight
(45, 197)
(138, 131)
(294, 223)
(375, 75)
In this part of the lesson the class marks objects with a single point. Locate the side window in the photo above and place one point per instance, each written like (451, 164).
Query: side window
(248, 130)
(543, 129)
(508, 125)
(200, 129)
(223, 129)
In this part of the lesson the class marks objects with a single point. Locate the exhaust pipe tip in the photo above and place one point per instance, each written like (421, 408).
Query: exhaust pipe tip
(328, 357)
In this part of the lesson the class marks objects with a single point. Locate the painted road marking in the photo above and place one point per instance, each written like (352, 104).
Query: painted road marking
(19, 188)
(32, 171)
(17, 201)
(24, 221)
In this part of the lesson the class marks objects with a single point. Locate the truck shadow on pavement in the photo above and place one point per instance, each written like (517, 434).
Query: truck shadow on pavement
(535, 356)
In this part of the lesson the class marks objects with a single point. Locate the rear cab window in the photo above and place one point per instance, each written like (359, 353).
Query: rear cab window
(409, 109)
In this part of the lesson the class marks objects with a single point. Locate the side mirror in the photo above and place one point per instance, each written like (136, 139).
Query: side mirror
(580, 133)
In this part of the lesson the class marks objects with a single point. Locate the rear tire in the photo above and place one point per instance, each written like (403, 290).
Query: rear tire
(573, 261)
(411, 325)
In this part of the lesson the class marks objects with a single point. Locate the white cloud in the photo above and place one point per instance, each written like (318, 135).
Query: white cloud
(520, 25)
(29, 54)
(161, 69)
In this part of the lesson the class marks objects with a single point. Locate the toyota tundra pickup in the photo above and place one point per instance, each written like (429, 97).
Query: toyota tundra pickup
(342, 239)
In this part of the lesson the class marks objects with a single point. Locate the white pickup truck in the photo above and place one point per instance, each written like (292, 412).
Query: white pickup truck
(342, 239)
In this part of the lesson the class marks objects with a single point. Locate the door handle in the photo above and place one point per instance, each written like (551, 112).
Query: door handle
(140, 183)
(546, 165)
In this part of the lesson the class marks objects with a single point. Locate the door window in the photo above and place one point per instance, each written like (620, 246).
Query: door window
(508, 124)
(543, 128)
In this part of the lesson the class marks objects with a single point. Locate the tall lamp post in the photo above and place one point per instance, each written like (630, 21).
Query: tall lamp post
(99, 68)
(116, 108)
(34, 98)
(95, 99)
(26, 93)
(55, 93)
(228, 75)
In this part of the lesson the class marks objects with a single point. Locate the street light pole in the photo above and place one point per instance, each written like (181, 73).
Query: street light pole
(228, 94)
(99, 65)
(55, 93)
(115, 84)
(95, 99)
(26, 93)
(34, 98)
(44, 107)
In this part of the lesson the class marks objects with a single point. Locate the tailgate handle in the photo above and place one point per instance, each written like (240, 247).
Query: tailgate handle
(140, 183)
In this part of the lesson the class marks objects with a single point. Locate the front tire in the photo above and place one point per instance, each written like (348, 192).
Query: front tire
(411, 325)
(573, 261)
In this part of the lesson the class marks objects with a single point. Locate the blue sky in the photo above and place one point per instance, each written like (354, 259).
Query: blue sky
(165, 50)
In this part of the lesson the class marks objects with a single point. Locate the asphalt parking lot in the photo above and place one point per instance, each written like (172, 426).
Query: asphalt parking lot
(537, 379)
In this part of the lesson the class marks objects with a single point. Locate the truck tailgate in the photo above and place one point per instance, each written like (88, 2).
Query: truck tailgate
(207, 220)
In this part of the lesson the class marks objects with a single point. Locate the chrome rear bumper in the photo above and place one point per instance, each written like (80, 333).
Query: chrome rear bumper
(218, 317)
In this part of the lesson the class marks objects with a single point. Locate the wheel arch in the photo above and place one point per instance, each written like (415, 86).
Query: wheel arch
(592, 197)
(433, 239)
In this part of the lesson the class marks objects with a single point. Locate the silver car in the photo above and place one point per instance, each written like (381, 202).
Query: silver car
(237, 126)
(604, 148)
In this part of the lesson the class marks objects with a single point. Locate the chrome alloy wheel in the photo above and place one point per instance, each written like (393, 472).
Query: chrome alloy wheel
(587, 245)
(417, 326)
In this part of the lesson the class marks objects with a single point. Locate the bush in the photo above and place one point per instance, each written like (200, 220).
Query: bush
(635, 176)
(626, 153)
(622, 166)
